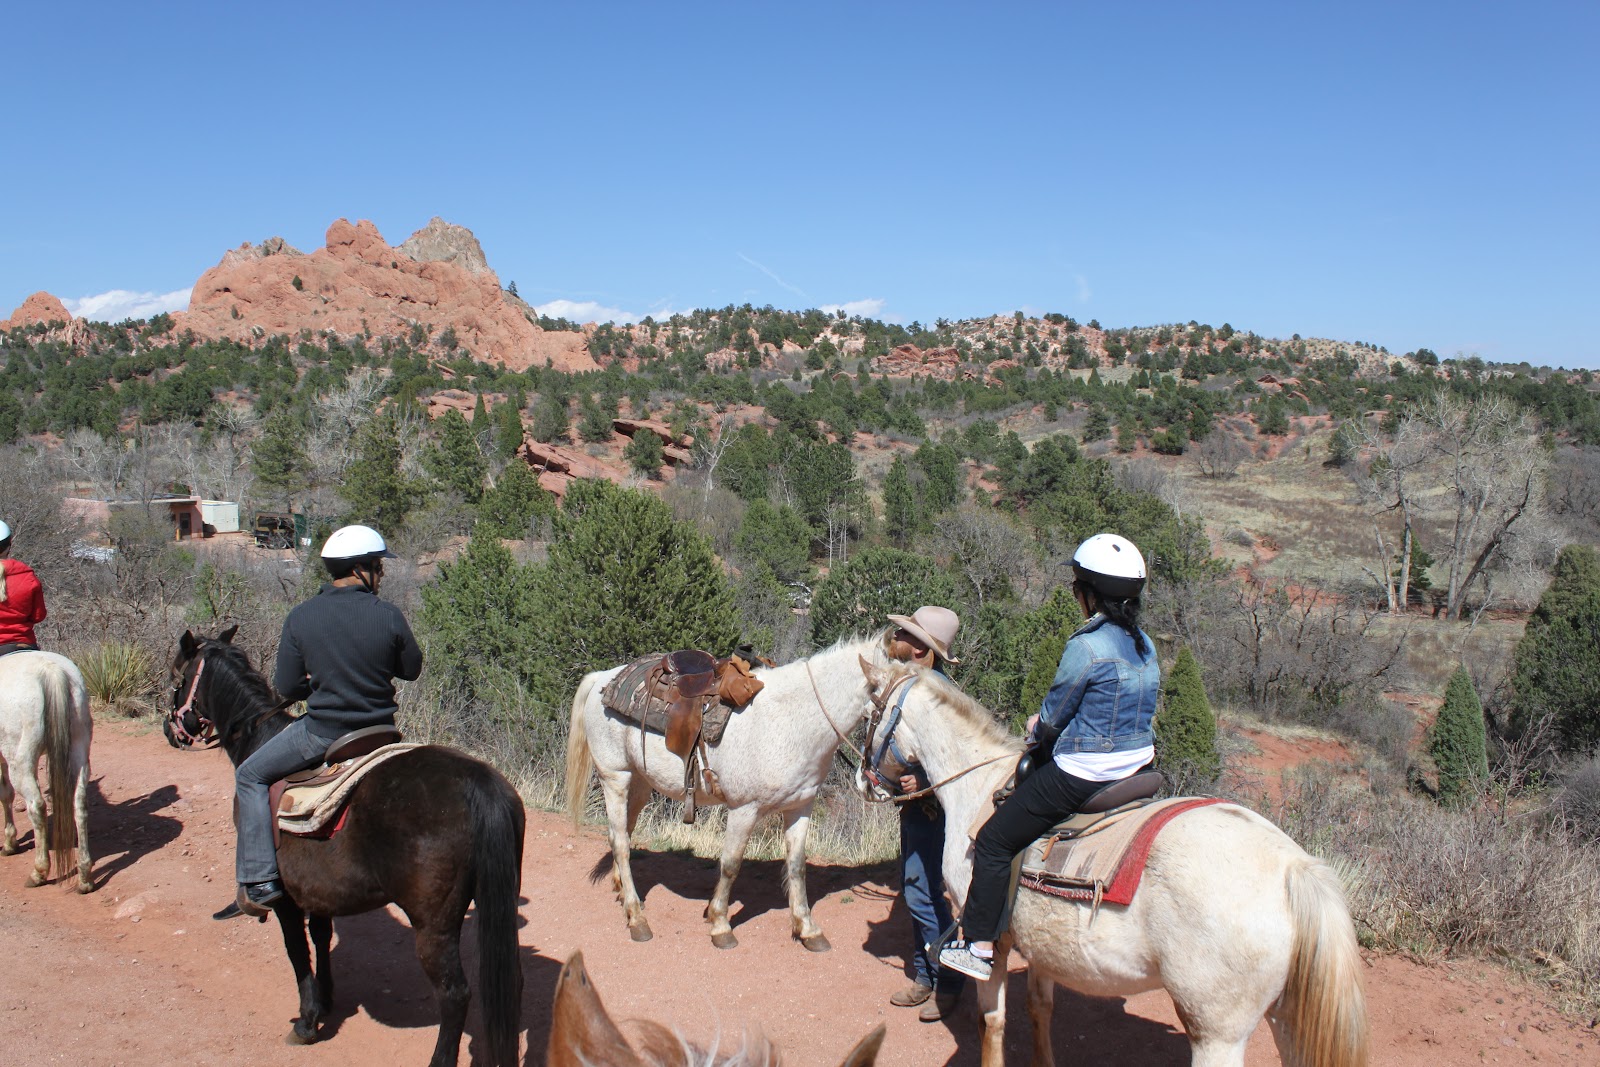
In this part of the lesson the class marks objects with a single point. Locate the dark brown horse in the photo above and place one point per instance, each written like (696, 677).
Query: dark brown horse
(430, 830)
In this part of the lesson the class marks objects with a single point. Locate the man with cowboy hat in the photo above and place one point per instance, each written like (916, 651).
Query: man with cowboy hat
(924, 638)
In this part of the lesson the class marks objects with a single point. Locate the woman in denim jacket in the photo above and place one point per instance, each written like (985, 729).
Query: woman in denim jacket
(1099, 711)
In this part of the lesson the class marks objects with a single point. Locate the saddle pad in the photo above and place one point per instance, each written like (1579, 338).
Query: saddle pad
(305, 809)
(630, 695)
(1103, 865)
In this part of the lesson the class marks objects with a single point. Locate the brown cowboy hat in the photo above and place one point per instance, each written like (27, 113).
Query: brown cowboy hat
(936, 627)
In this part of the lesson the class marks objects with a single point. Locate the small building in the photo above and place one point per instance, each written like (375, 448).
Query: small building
(191, 516)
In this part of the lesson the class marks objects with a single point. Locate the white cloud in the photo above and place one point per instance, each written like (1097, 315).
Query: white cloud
(867, 309)
(585, 311)
(769, 272)
(119, 304)
(1083, 288)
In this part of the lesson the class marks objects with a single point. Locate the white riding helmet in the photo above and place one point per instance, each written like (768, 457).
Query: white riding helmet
(5, 532)
(356, 542)
(1111, 565)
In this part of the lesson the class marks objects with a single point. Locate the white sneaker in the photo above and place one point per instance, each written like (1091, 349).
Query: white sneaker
(960, 957)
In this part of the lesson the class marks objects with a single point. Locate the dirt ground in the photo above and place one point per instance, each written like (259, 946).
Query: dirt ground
(137, 973)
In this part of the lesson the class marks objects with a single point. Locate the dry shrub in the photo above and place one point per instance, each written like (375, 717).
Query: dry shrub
(120, 675)
(1438, 882)
(1577, 801)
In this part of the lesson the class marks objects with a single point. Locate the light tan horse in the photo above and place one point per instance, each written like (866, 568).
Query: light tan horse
(1232, 917)
(583, 1035)
(772, 758)
(44, 711)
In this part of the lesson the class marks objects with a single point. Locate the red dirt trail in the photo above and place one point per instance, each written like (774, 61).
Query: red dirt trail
(138, 974)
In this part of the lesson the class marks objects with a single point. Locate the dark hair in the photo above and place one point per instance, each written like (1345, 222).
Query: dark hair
(5, 544)
(344, 568)
(1124, 611)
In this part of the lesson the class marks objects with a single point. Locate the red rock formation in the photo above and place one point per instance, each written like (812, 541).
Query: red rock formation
(629, 427)
(40, 307)
(357, 285)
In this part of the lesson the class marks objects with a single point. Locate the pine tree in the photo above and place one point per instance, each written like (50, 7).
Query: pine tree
(1457, 743)
(595, 426)
(777, 538)
(549, 419)
(507, 418)
(279, 458)
(857, 595)
(508, 510)
(1556, 665)
(625, 579)
(1186, 728)
(644, 454)
(455, 461)
(481, 620)
(378, 492)
(899, 504)
(1049, 629)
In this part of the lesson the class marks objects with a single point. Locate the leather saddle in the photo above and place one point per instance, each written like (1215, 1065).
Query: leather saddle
(1114, 799)
(687, 697)
(343, 758)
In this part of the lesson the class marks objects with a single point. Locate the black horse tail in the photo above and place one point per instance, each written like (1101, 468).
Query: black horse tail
(497, 826)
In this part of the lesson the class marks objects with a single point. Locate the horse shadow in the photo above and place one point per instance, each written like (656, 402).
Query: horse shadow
(134, 825)
(375, 968)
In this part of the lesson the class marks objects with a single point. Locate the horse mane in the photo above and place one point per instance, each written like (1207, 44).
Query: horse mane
(659, 1047)
(233, 683)
(970, 715)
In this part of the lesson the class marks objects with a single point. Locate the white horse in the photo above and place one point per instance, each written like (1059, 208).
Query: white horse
(44, 710)
(1231, 916)
(773, 757)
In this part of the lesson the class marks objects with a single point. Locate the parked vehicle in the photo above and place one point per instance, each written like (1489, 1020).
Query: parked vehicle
(277, 530)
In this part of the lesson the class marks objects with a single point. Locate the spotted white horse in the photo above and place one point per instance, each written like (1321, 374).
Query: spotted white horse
(1232, 917)
(44, 710)
(773, 757)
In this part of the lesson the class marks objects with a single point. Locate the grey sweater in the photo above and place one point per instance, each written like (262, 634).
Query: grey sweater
(341, 652)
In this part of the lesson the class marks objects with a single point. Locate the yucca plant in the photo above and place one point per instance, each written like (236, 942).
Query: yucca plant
(119, 674)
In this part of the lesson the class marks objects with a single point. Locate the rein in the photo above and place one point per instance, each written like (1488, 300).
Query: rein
(880, 703)
(208, 729)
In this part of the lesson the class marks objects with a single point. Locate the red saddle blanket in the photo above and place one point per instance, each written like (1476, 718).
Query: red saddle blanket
(1104, 864)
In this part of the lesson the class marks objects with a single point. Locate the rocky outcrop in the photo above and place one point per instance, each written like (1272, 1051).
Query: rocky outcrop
(40, 307)
(357, 285)
(909, 361)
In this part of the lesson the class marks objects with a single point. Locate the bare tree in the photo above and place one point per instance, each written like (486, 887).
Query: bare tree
(1218, 454)
(988, 549)
(1392, 482)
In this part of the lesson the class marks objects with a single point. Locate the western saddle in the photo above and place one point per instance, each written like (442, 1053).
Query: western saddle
(686, 696)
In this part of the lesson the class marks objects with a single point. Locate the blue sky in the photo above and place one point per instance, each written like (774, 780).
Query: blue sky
(1402, 174)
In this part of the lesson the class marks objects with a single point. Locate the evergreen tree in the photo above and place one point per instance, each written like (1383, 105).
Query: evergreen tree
(279, 458)
(508, 509)
(899, 504)
(624, 579)
(378, 492)
(549, 419)
(1186, 728)
(507, 418)
(1050, 626)
(481, 621)
(1127, 436)
(455, 461)
(857, 595)
(941, 468)
(1457, 743)
(1556, 665)
(777, 538)
(644, 454)
(480, 414)
(595, 426)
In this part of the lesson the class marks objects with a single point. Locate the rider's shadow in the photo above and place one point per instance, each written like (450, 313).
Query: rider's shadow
(135, 825)
(375, 968)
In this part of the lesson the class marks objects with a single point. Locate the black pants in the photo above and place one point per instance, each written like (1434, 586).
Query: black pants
(1049, 795)
(8, 649)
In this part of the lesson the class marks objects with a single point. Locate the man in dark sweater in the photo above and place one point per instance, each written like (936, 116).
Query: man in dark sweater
(340, 652)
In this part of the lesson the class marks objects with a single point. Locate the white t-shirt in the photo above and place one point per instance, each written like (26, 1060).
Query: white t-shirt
(1104, 766)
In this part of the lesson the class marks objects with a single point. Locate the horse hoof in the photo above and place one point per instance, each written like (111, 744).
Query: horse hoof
(641, 932)
(819, 943)
(295, 1037)
(35, 880)
(8, 850)
(85, 886)
(725, 940)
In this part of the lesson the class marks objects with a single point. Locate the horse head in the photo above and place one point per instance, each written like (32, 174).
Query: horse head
(582, 1033)
(187, 723)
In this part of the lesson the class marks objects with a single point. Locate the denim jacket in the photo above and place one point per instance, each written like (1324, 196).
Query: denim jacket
(1104, 693)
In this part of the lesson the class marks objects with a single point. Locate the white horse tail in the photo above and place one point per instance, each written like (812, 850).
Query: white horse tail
(1324, 1005)
(579, 759)
(58, 707)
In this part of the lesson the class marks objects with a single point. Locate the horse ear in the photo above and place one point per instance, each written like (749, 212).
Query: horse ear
(581, 1032)
(226, 636)
(873, 674)
(187, 644)
(866, 1052)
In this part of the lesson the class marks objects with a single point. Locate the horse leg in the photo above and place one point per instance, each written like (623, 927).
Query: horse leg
(8, 844)
(741, 822)
(802, 926)
(439, 951)
(1041, 1006)
(992, 1007)
(28, 786)
(80, 813)
(292, 924)
(620, 817)
(322, 939)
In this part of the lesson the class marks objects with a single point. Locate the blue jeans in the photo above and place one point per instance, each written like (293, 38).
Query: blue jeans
(295, 749)
(922, 888)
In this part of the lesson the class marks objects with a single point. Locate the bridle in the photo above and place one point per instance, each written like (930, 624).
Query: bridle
(175, 729)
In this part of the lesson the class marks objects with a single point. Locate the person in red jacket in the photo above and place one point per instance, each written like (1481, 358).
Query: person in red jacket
(21, 600)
